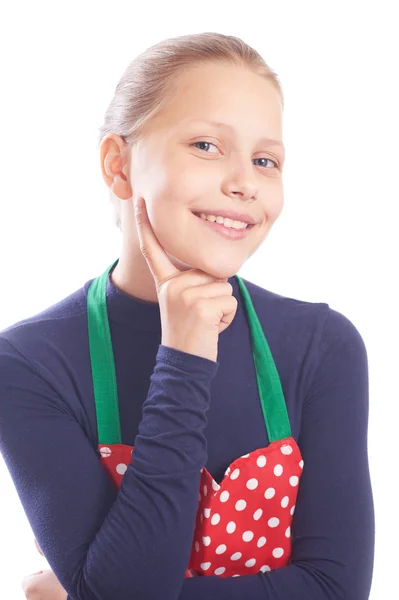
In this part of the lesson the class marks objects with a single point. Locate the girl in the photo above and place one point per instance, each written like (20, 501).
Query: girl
(173, 430)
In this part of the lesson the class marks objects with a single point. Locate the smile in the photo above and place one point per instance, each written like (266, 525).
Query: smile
(227, 232)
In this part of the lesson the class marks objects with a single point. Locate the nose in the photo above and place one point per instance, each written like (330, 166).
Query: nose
(240, 182)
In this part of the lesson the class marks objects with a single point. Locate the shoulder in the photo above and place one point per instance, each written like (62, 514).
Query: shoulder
(342, 353)
(292, 319)
(334, 326)
(42, 349)
(308, 335)
(340, 331)
(40, 332)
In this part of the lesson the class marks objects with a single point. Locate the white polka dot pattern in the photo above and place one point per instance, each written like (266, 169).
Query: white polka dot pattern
(250, 513)
(244, 524)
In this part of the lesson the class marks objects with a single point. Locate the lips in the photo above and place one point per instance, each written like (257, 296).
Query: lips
(249, 226)
(229, 233)
(228, 214)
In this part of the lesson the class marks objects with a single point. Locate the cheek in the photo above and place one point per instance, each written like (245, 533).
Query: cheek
(185, 179)
(171, 230)
(274, 207)
(176, 180)
(278, 207)
(170, 197)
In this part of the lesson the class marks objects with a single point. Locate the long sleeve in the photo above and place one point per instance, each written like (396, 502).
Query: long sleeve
(100, 543)
(333, 526)
(182, 412)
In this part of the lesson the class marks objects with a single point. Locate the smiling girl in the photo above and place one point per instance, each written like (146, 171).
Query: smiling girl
(173, 430)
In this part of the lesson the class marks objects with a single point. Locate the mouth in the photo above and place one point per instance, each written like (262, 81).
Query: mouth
(225, 231)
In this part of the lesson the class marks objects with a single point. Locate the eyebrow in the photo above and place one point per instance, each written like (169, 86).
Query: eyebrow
(264, 140)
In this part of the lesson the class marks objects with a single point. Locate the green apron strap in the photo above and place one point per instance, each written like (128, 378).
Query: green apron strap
(104, 376)
(269, 385)
(102, 362)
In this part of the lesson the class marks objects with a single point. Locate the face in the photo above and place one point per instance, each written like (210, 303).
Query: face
(185, 166)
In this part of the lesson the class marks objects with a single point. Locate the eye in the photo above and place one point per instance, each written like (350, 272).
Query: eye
(269, 159)
(203, 142)
(262, 158)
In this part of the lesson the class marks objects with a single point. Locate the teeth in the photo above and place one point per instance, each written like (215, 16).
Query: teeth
(226, 222)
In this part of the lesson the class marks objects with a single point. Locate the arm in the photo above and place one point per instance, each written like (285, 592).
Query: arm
(100, 543)
(333, 526)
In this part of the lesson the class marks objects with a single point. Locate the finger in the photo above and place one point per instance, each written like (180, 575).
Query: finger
(38, 547)
(156, 257)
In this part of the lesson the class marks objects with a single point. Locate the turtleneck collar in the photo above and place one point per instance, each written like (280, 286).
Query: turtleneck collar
(140, 314)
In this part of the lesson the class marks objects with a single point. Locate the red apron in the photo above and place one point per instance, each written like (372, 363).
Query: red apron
(243, 524)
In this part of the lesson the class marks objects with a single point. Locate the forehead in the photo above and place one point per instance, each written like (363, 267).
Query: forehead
(223, 77)
(228, 98)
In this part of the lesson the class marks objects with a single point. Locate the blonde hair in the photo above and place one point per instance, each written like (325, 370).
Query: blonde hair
(147, 84)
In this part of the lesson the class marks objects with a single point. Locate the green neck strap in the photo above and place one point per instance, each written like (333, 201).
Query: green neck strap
(104, 375)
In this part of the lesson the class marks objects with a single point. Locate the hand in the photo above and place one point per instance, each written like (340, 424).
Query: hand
(43, 585)
(194, 306)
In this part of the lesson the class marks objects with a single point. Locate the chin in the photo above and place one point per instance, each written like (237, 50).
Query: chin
(220, 271)
(179, 264)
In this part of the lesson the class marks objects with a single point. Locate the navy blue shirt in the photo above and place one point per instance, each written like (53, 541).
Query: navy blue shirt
(183, 412)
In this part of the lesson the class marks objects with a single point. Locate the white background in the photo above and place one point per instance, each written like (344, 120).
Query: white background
(335, 242)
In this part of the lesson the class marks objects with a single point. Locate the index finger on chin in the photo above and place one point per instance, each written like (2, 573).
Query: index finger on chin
(155, 255)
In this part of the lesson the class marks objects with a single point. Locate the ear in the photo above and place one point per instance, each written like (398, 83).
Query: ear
(114, 161)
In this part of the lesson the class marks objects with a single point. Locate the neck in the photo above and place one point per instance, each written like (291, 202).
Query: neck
(132, 275)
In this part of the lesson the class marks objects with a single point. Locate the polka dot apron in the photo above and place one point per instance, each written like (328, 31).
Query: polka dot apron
(243, 524)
